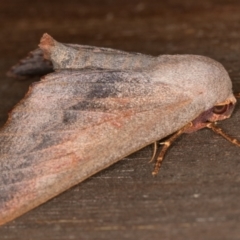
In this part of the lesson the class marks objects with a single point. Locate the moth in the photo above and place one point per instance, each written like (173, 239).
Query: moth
(96, 106)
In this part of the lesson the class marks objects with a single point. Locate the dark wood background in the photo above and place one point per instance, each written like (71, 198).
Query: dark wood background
(197, 192)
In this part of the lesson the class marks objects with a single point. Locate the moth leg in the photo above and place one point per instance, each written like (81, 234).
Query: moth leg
(155, 148)
(219, 131)
(166, 146)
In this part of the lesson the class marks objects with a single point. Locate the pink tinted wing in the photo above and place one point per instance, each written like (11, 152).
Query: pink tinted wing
(72, 124)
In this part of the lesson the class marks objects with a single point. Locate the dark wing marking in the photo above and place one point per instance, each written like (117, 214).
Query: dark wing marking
(33, 65)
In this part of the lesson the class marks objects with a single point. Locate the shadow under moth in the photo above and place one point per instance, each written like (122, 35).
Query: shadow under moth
(95, 107)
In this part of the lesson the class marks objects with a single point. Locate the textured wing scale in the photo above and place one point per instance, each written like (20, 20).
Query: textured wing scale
(73, 124)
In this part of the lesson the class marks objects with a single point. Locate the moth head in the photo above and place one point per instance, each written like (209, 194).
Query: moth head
(221, 111)
(218, 112)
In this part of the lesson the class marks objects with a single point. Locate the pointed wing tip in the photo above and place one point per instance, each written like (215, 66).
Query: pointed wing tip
(13, 72)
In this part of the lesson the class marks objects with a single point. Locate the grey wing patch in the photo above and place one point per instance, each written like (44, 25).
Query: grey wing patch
(54, 55)
(33, 65)
(94, 49)
(68, 56)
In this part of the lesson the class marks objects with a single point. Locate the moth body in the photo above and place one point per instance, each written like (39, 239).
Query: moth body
(99, 106)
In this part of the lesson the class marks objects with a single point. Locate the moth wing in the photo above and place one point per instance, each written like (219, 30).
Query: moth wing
(32, 65)
(72, 124)
(36, 65)
(54, 55)
(68, 56)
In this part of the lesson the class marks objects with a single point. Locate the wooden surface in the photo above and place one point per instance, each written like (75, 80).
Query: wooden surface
(197, 192)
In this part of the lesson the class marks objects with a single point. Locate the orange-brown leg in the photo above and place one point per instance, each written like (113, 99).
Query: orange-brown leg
(219, 131)
(170, 140)
(166, 146)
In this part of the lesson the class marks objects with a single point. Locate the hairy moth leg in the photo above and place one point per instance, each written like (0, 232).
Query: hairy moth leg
(219, 131)
(170, 140)
(166, 146)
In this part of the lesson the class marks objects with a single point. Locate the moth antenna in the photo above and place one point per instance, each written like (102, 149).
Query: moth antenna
(166, 146)
(219, 131)
(155, 148)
